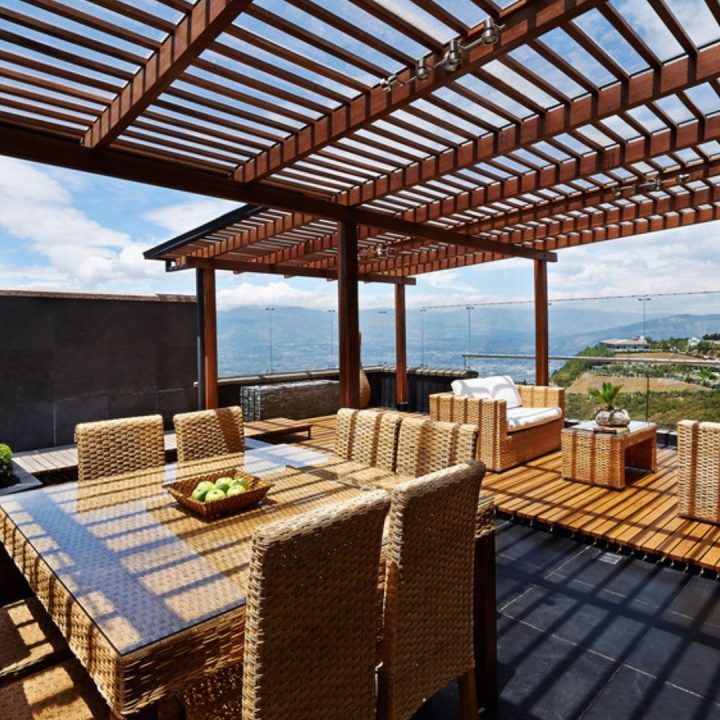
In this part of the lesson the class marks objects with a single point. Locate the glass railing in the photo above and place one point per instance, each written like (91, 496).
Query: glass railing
(662, 390)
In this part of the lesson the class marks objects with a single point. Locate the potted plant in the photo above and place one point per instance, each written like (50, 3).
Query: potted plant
(609, 415)
(7, 474)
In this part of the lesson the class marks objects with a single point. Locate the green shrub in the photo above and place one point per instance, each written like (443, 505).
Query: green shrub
(6, 466)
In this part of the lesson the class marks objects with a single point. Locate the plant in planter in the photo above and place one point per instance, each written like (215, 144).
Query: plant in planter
(7, 474)
(609, 415)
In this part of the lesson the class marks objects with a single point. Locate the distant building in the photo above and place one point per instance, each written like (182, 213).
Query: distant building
(633, 344)
(693, 342)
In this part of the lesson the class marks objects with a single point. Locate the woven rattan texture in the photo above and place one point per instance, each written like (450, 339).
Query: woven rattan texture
(62, 692)
(209, 432)
(427, 633)
(498, 448)
(111, 447)
(301, 661)
(27, 638)
(699, 470)
(425, 446)
(367, 437)
(600, 458)
(191, 576)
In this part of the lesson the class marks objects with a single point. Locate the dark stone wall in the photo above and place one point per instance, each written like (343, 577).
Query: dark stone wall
(68, 358)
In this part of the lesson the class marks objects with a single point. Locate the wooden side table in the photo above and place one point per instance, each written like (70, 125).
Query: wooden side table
(601, 458)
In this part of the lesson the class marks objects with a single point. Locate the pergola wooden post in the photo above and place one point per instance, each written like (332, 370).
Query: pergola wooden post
(542, 363)
(401, 379)
(348, 315)
(208, 369)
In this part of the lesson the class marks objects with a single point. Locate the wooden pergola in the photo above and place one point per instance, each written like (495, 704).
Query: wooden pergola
(374, 143)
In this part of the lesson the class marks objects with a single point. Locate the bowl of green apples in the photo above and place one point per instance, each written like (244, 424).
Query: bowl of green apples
(219, 494)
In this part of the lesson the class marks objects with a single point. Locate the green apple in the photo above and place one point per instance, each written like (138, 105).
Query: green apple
(240, 481)
(236, 489)
(201, 490)
(215, 494)
(224, 483)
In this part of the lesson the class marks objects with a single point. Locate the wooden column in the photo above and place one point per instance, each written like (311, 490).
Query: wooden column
(348, 316)
(401, 380)
(542, 364)
(210, 364)
(200, 337)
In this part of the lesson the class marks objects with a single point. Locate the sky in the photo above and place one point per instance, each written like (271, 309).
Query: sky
(66, 230)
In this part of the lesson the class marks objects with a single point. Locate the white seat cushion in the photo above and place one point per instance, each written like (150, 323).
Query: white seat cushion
(521, 418)
(497, 387)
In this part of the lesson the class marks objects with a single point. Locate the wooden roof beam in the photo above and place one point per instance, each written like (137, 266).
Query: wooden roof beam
(638, 90)
(16, 142)
(545, 234)
(199, 28)
(524, 21)
(239, 266)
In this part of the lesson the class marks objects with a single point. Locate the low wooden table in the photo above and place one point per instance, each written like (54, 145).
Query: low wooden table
(601, 458)
(276, 427)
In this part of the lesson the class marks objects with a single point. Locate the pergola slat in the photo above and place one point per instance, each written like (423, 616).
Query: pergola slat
(205, 22)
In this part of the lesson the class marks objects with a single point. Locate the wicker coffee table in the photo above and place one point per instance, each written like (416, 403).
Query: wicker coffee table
(601, 459)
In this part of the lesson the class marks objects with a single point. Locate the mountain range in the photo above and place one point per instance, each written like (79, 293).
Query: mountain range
(304, 339)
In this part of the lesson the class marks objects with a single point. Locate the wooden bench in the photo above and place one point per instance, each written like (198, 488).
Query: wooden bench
(276, 427)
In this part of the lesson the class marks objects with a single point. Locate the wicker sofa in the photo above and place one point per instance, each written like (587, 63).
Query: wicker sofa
(698, 468)
(500, 444)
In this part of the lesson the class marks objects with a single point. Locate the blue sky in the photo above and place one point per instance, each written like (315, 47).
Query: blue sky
(60, 229)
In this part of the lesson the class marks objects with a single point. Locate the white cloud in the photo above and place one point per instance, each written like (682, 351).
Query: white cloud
(188, 214)
(275, 292)
(37, 207)
(678, 260)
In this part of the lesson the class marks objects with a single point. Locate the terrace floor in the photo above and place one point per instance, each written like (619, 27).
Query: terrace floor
(642, 517)
(593, 630)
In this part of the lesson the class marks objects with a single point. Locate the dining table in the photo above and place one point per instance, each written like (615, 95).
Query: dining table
(149, 596)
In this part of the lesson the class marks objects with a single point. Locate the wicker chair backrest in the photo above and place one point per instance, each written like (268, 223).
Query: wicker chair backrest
(428, 625)
(302, 661)
(209, 432)
(425, 446)
(111, 447)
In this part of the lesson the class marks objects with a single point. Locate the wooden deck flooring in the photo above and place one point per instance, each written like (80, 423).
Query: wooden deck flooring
(643, 516)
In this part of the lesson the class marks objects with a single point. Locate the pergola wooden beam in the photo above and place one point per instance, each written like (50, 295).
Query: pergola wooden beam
(27, 145)
(239, 266)
(204, 22)
(428, 259)
(524, 21)
(566, 171)
(621, 96)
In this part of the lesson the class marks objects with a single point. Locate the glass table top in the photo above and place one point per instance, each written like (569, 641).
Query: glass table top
(140, 565)
(590, 425)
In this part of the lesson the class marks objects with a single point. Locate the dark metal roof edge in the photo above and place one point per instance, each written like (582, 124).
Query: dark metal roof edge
(241, 213)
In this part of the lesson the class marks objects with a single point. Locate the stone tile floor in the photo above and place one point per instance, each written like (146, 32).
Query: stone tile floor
(585, 633)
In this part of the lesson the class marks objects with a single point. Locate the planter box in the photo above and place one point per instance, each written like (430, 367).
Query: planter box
(293, 400)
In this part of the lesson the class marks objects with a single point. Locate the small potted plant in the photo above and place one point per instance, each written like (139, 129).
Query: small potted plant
(608, 415)
(7, 474)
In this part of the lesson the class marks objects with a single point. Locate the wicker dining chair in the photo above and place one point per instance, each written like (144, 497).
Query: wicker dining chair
(367, 436)
(698, 462)
(427, 638)
(209, 432)
(111, 447)
(311, 621)
(425, 445)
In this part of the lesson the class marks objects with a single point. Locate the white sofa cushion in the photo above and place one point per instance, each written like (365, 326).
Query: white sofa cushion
(521, 418)
(497, 387)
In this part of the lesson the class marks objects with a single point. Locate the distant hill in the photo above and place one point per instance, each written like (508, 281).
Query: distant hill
(307, 339)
